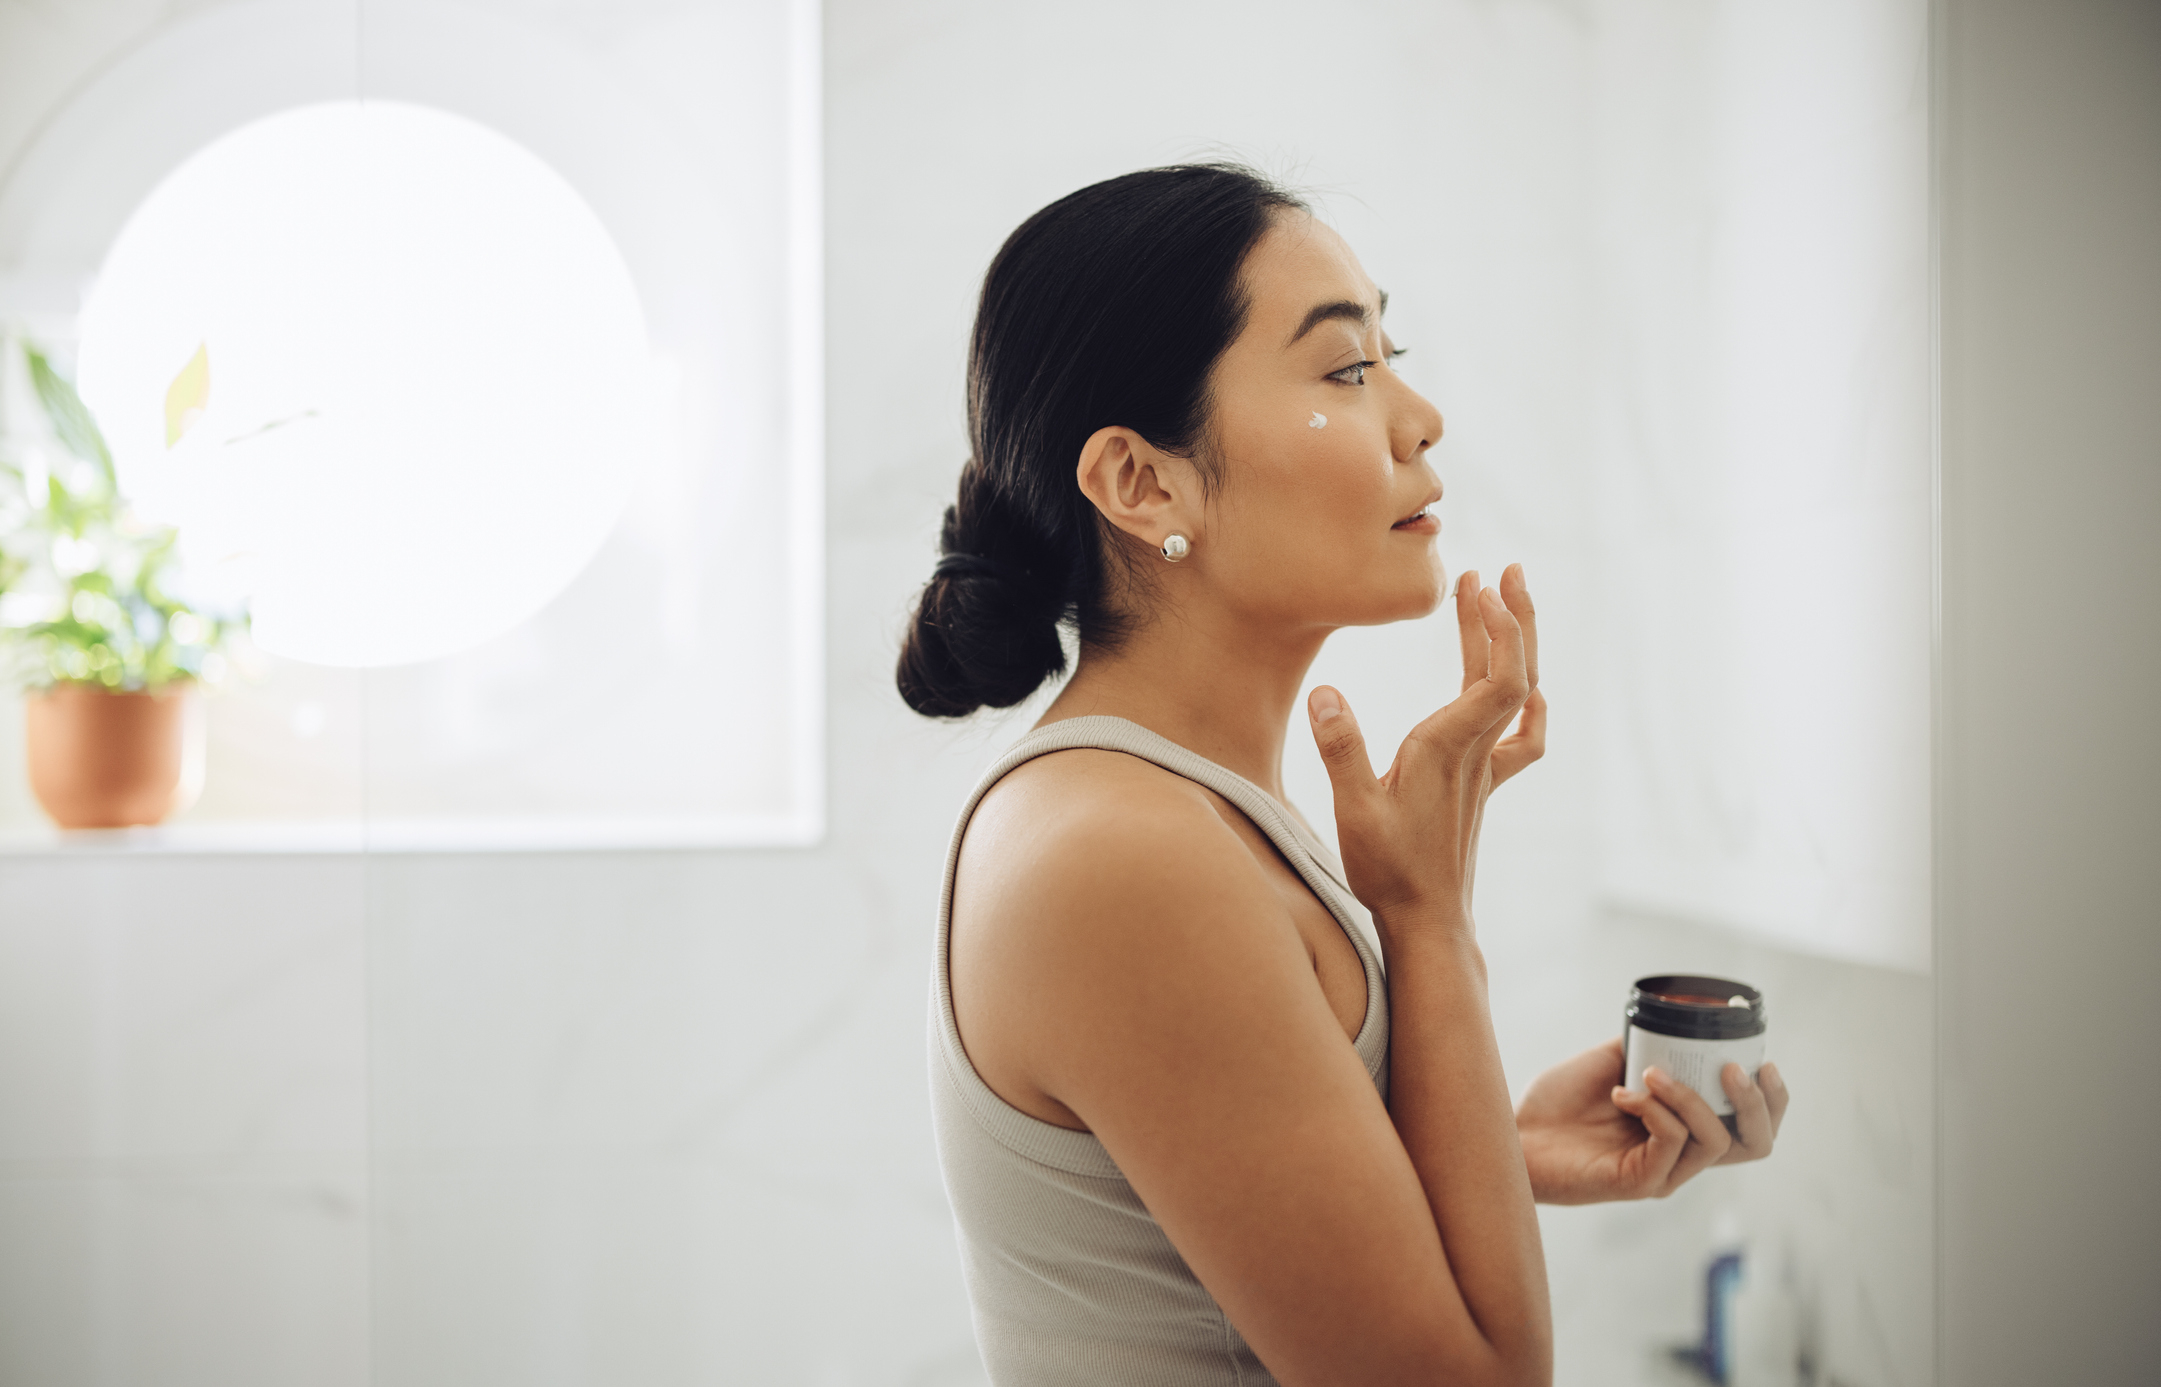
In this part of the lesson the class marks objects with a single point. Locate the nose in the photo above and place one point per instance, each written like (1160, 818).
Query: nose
(1416, 425)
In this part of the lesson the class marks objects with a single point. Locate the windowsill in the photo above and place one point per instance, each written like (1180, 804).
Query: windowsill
(352, 836)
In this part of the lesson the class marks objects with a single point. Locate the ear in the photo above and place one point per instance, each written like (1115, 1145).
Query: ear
(1141, 489)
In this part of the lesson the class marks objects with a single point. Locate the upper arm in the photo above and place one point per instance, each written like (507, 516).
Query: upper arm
(1170, 1004)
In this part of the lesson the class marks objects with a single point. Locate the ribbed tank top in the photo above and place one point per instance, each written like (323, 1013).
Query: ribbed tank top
(1072, 1282)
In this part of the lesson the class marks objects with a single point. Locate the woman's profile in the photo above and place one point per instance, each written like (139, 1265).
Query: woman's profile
(1197, 1125)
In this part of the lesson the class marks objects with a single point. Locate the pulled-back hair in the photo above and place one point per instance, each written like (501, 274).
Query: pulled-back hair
(1109, 307)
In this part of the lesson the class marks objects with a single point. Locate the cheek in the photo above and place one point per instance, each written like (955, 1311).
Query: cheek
(1338, 482)
(1306, 519)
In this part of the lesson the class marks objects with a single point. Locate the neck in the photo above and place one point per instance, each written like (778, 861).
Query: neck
(1221, 688)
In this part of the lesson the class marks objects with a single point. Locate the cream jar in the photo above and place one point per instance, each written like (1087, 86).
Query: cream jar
(1692, 1028)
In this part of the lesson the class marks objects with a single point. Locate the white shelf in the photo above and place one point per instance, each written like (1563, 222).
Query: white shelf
(415, 836)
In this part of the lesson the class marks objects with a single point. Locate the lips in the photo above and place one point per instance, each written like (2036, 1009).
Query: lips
(1423, 518)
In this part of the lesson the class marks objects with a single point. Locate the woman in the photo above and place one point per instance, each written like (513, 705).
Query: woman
(1192, 1132)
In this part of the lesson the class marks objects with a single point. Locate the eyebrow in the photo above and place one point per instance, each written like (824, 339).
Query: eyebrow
(1348, 310)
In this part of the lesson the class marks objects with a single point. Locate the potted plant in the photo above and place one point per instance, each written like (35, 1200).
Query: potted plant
(107, 657)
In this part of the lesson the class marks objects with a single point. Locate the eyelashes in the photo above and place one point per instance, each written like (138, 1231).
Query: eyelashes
(1355, 373)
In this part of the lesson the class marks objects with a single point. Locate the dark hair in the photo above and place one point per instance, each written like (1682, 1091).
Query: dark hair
(1110, 306)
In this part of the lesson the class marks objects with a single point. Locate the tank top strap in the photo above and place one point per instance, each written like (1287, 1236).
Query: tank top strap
(1312, 859)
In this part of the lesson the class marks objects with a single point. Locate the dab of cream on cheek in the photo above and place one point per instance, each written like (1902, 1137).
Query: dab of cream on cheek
(1318, 421)
(1692, 1028)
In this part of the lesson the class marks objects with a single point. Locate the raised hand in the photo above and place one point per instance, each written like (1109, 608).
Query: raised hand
(1409, 838)
(1587, 1140)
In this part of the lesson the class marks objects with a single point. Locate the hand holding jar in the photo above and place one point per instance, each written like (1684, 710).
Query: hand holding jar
(1634, 1117)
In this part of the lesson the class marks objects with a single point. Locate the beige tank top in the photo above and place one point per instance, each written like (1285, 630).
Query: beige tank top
(1072, 1282)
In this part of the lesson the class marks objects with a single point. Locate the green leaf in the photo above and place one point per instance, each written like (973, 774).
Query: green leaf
(71, 419)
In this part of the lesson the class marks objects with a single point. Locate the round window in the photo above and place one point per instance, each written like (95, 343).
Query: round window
(384, 369)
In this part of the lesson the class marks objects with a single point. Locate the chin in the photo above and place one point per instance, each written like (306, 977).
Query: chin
(1426, 605)
(1401, 602)
(1423, 594)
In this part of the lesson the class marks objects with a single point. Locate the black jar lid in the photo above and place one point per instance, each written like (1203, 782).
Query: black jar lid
(1695, 1008)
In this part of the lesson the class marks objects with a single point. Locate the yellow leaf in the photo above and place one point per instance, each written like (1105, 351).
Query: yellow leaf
(188, 396)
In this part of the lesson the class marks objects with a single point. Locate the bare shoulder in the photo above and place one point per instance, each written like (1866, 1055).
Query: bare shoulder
(1067, 834)
(1088, 790)
(1099, 896)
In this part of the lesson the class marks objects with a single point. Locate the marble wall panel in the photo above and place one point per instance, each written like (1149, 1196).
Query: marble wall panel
(661, 1119)
(183, 1083)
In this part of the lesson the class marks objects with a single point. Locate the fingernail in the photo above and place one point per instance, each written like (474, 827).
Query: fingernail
(1327, 706)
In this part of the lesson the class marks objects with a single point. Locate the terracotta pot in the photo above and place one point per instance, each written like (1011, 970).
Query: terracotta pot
(103, 759)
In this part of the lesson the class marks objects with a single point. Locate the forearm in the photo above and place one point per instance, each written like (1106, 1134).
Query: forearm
(1450, 1103)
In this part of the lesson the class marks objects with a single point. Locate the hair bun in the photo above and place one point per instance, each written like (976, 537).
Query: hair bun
(985, 636)
(978, 566)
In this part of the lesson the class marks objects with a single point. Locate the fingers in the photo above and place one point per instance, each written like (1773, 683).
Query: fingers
(1506, 686)
(1527, 743)
(1470, 628)
(1773, 1085)
(1504, 648)
(1342, 747)
(1473, 723)
(1752, 1119)
(1712, 1140)
(1516, 592)
(1668, 1143)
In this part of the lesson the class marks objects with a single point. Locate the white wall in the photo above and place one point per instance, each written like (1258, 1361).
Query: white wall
(659, 1118)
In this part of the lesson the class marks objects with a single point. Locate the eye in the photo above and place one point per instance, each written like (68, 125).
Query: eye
(1394, 352)
(1353, 374)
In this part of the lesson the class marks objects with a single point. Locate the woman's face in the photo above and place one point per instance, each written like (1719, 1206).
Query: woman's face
(1319, 525)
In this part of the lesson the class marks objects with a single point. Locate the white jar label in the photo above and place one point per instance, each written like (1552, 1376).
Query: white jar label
(1696, 1063)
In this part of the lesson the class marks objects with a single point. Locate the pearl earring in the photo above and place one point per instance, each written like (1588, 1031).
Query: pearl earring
(1177, 547)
